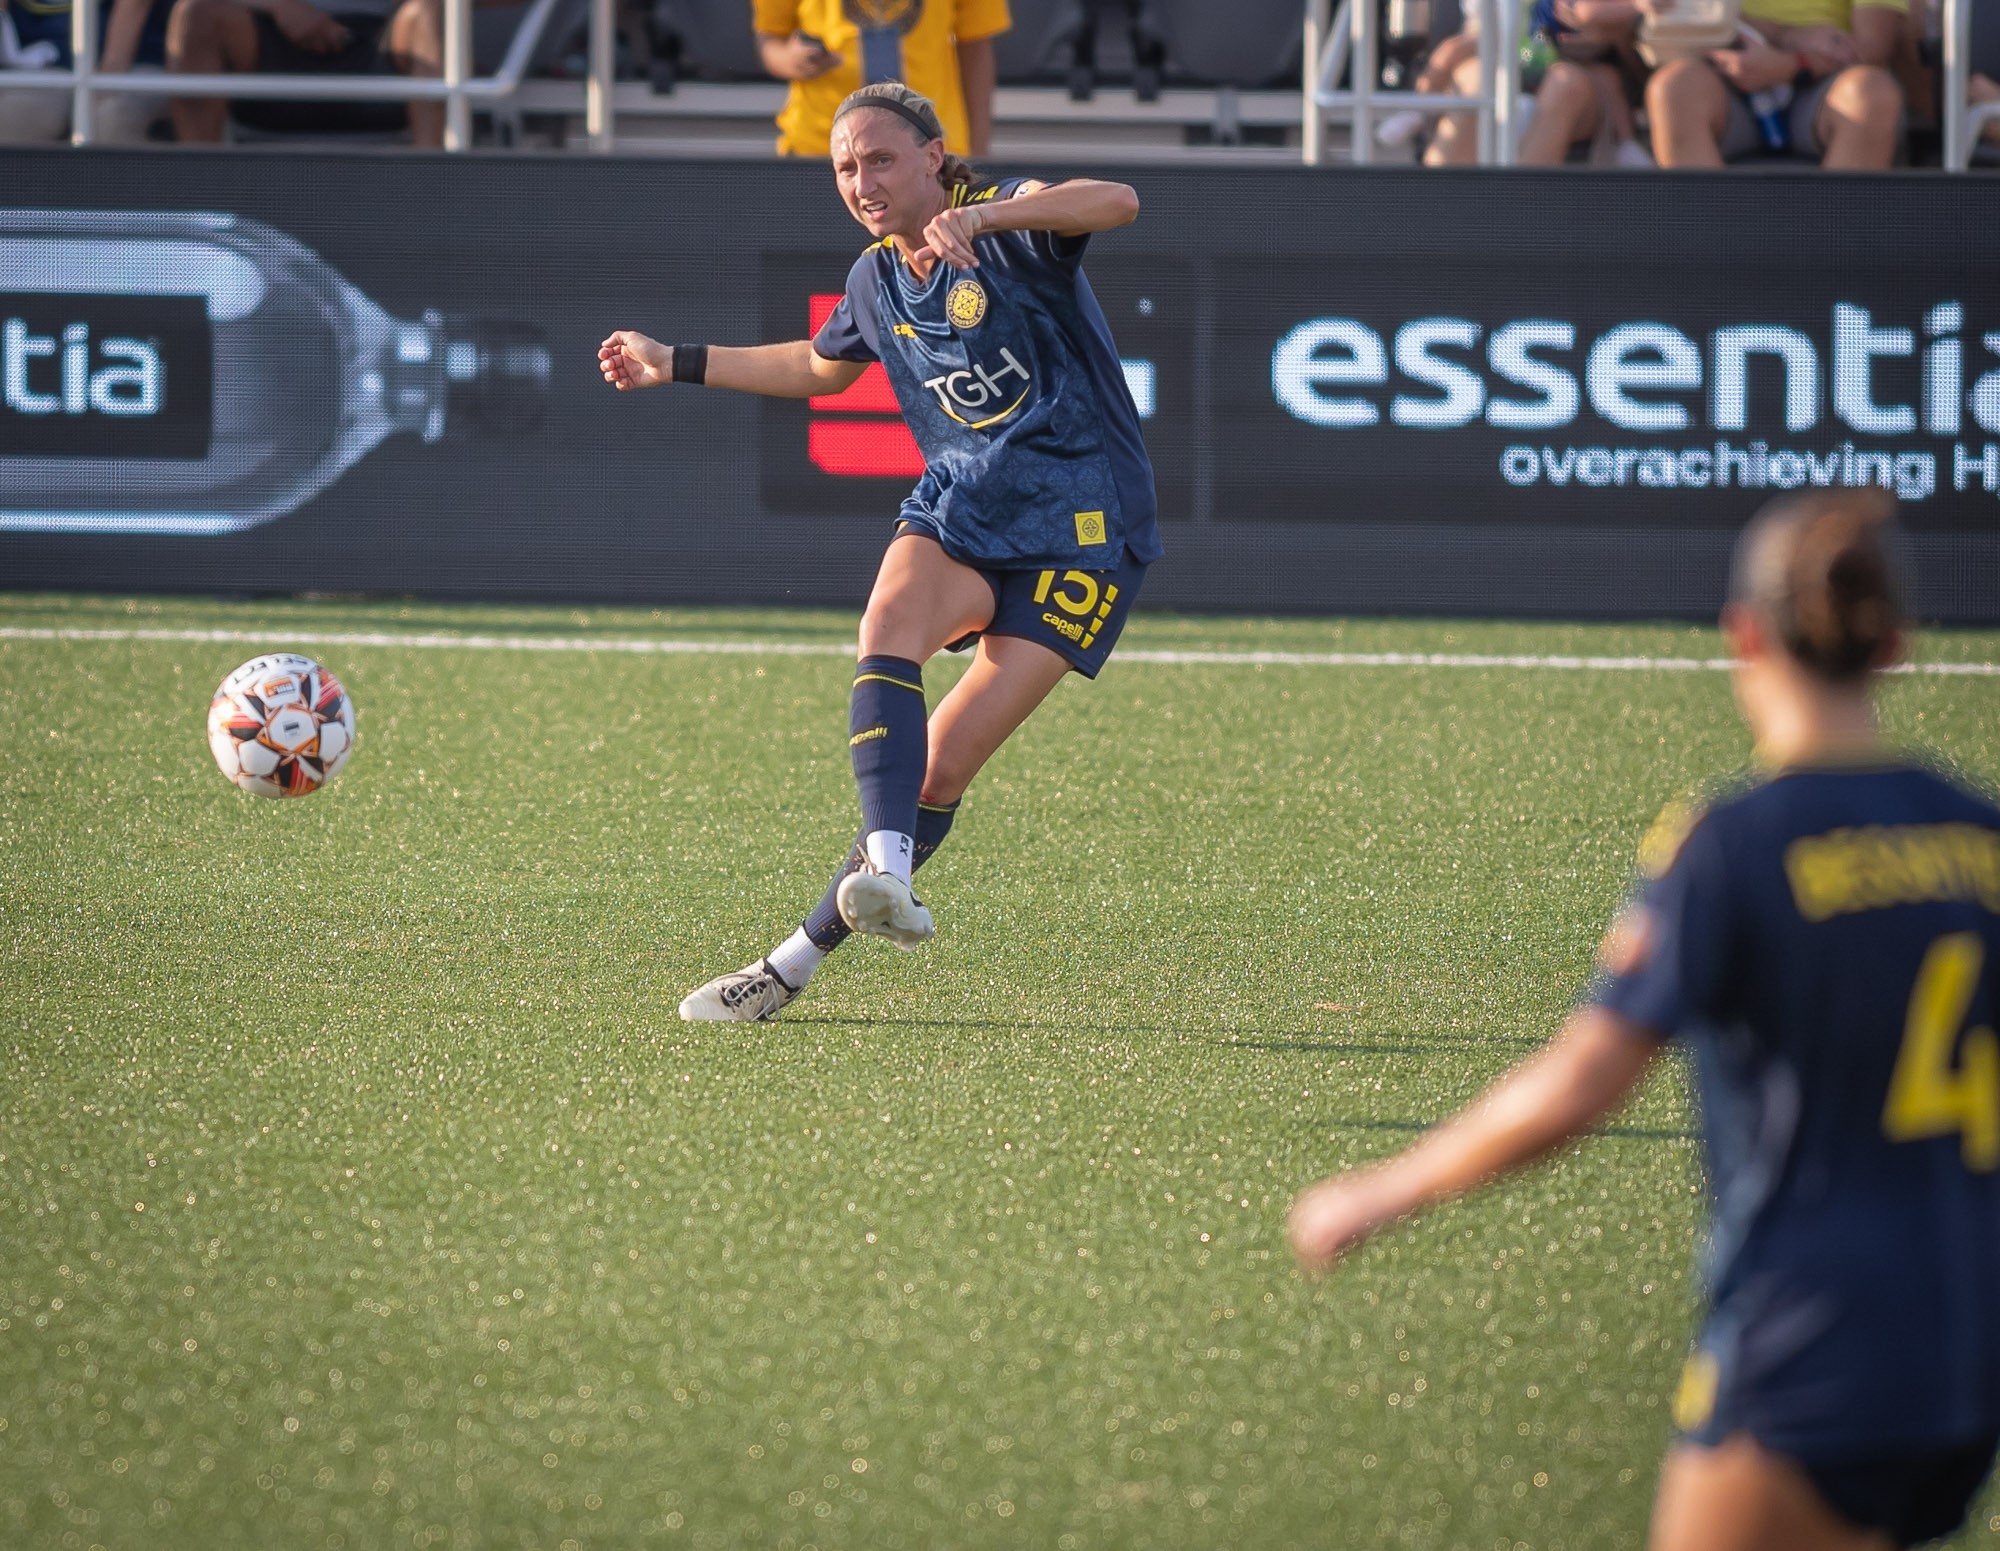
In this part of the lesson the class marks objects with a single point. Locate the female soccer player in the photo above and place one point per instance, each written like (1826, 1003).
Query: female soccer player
(1031, 528)
(1828, 944)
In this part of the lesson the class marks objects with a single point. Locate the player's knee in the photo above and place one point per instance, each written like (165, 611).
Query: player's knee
(947, 773)
(892, 627)
(1868, 96)
(193, 23)
(416, 35)
(1682, 87)
(1566, 88)
(881, 636)
(944, 787)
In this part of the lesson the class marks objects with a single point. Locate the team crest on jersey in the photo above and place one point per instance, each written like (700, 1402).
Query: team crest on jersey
(899, 15)
(965, 304)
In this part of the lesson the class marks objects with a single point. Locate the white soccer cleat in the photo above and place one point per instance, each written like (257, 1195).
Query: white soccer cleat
(880, 904)
(753, 994)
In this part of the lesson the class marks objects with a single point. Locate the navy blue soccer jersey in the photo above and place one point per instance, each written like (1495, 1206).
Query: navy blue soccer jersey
(1010, 382)
(1828, 944)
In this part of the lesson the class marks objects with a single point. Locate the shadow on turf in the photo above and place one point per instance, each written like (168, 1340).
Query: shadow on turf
(1290, 1042)
(1306, 1042)
(1318, 1042)
(1630, 1133)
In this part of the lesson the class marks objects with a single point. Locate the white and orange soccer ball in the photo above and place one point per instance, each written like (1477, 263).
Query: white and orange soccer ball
(281, 726)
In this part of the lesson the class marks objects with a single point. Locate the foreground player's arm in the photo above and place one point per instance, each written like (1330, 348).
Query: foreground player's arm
(1073, 209)
(1581, 1075)
(793, 370)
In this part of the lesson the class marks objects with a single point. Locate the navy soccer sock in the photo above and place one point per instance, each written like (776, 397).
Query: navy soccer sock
(889, 744)
(824, 928)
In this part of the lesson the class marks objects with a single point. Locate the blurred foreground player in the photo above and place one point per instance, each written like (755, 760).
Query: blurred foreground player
(1827, 943)
(1031, 528)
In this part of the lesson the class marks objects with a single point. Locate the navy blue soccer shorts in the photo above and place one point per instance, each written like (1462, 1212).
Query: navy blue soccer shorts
(1910, 1494)
(1076, 614)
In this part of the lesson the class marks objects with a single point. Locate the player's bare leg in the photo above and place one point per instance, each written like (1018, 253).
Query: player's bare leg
(416, 47)
(1739, 1496)
(1008, 678)
(208, 37)
(922, 601)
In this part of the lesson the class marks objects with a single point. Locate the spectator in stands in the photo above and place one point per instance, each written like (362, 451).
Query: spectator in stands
(1985, 89)
(1580, 95)
(1912, 70)
(1811, 77)
(828, 48)
(296, 37)
(35, 34)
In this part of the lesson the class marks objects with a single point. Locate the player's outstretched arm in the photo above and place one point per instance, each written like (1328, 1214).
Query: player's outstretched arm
(793, 370)
(1073, 209)
(1582, 1074)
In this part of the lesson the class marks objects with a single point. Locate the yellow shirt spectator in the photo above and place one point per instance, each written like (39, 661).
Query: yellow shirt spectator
(1816, 13)
(913, 41)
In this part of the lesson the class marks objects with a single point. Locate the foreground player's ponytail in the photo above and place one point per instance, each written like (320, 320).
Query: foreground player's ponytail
(1822, 570)
(916, 110)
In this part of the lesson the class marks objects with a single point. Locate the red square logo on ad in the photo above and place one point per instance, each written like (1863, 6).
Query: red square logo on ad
(856, 448)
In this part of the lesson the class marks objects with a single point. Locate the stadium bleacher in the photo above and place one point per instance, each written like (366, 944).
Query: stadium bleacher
(1040, 48)
(1148, 78)
(711, 38)
(1247, 48)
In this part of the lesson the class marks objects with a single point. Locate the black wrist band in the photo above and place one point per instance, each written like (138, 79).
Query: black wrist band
(691, 363)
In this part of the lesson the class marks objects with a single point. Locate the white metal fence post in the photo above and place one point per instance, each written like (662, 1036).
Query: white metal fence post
(1506, 80)
(597, 107)
(1364, 77)
(1312, 117)
(1489, 69)
(457, 57)
(1957, 78)
(83, 46)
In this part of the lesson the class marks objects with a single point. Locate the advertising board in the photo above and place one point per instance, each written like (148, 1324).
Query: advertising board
(1372, 390)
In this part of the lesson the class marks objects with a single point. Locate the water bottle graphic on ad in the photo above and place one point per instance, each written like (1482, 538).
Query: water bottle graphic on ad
(201, 373)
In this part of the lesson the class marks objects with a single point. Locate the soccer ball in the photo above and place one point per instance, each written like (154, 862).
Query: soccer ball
(281, 726)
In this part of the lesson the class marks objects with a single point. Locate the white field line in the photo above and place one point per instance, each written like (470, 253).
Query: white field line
(657, 647)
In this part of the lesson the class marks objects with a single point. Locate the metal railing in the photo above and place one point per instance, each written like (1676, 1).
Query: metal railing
(1345, 39)
(1336, 35)
(456, 88)
(1344, 35)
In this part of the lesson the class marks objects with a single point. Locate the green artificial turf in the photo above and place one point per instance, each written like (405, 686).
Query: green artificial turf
(360, 1188)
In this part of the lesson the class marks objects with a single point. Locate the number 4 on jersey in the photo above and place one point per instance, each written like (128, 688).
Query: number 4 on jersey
(1928, 1096)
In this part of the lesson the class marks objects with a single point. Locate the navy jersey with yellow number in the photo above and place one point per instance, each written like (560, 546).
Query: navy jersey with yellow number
(1828, 944)
(1010, 382)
